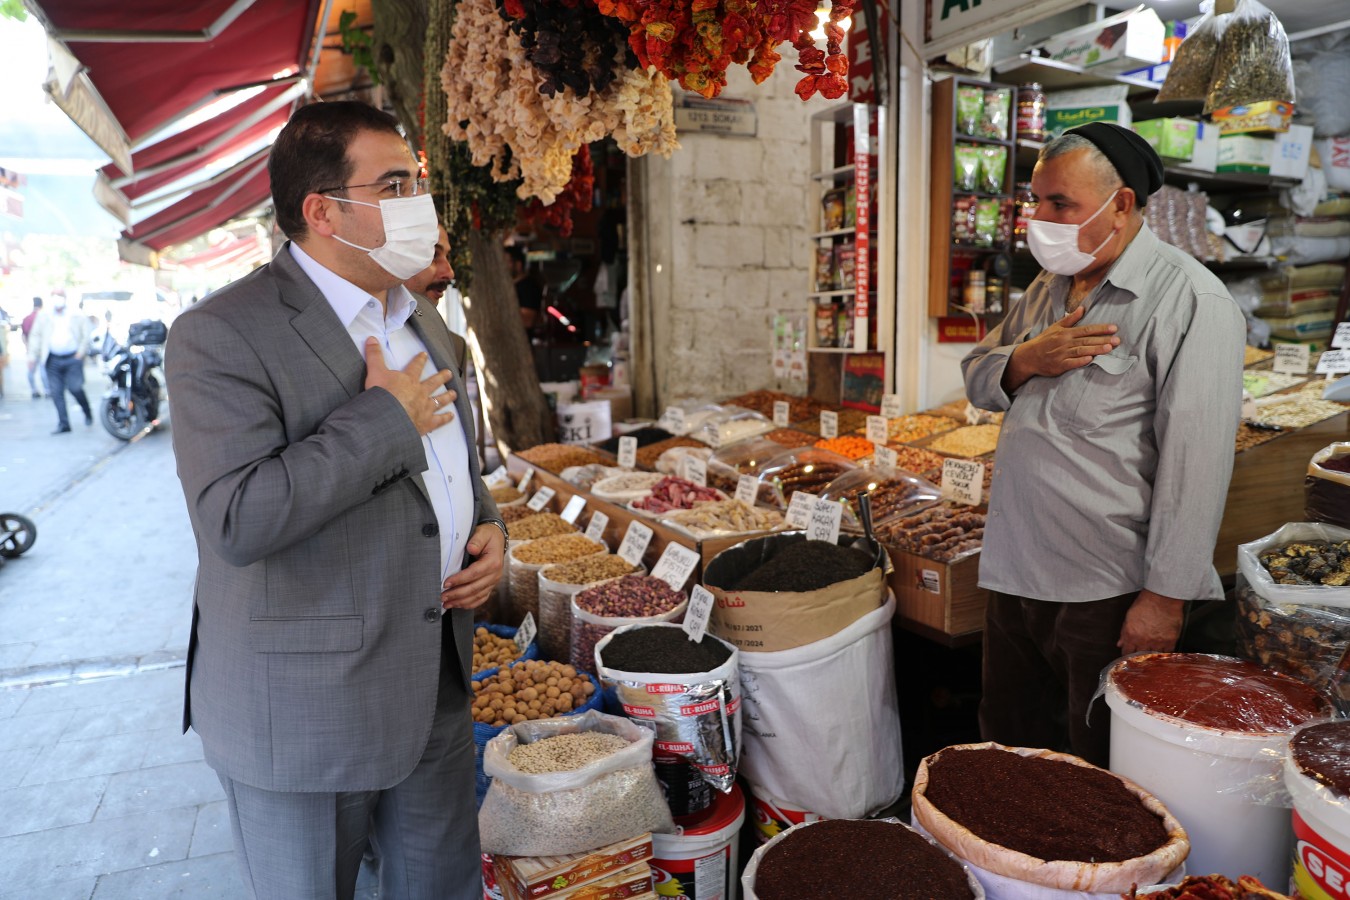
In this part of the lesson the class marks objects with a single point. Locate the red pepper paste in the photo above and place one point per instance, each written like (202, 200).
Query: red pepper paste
(859, 861)
(1218, 692)
(1046, 808)
(1322, 752)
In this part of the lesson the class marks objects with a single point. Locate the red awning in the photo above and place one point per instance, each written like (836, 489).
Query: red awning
(231, 251)
(231, 194)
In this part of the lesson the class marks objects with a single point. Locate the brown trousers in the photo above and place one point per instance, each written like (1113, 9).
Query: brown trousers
(1043, 660)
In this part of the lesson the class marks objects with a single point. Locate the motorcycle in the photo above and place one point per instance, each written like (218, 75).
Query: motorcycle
(132, 403)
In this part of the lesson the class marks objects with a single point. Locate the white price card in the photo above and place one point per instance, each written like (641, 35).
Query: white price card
(829, 424)
(525, 480)
(890, 406)
(747, 487)
(674, 419)
(696, 470)
(1341, 339)
(596, 530)
(572, 511)
(1292, 359)
(825, 519)
(676, 564)
(697, 614)
(782, 412)
(635, 541)
(1334, 362)
(497, 477)
(886, 458)
(541, 498)
(525, 633)
(799, 510)
(628, 453)
(962, 481)
(877, 430)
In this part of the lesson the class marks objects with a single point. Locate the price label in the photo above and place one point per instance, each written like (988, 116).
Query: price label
(696, 470)
(962, 481)
(596, 530)
(698, 612)
(525, 480)
(825, 518)
(877, 430)
(525, 633)
(1249, 408)
(676, 564)
(674, 419)
(829, 424)
(541, 498)
(747, 488)
(497, 477)
(1292, 359)
(1334, 362)
(628, 452)
(1341, 339)
(890, 406)
(635, 541)
(573, 508)
(886, 458)
(799, 510)
(782, 410)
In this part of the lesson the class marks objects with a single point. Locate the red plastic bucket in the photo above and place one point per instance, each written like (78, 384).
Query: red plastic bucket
(772, 816)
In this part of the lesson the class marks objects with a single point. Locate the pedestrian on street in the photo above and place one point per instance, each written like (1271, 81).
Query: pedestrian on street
(59, 343)
(35, 372)
(344, 532)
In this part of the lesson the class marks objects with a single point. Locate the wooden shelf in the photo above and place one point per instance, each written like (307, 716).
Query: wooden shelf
(842, 172)
(1221, 181)
(838, 232)
(830, 350)
(1059, 76)
(842, 292)
(975, 139)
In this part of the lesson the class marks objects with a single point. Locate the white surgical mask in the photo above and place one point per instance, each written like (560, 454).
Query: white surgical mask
(1055, 244)
(410, 233)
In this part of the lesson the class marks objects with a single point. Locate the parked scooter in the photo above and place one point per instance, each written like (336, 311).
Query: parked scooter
(132, 403)
(17, 534)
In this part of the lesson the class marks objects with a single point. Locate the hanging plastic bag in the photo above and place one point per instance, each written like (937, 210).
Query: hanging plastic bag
(1192, 69)
(1253, 63)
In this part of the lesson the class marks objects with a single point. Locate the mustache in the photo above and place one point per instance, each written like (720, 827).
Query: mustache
(441, 286)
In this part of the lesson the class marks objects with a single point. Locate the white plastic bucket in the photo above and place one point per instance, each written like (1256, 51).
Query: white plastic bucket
(1198, 773)
(1321, 823)
(772, 817)
(704, 858)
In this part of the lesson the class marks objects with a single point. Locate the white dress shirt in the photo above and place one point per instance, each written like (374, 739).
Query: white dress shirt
(447, 475)
(63, 340)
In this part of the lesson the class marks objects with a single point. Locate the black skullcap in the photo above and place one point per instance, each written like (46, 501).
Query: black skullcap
(1136, 162)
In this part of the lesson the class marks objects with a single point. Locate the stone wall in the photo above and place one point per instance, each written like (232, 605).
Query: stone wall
(726, 245)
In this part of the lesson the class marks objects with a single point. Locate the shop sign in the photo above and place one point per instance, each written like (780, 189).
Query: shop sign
(734, 118)
(960, 330)
(862, 68)
(952, 23)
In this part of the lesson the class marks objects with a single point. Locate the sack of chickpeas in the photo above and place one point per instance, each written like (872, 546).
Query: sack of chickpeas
(559, 584)
(630, 600)
(570, 785)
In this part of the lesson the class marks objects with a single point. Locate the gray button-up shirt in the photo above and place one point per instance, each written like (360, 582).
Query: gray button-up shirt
(1111, 478)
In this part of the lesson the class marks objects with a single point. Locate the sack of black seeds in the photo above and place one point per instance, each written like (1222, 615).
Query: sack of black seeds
(687, 694)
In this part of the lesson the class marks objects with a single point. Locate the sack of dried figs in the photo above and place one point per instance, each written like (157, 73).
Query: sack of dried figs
(1253, 62)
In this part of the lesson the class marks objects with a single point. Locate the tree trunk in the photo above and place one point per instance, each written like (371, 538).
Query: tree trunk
(516, 407)
(400, 30)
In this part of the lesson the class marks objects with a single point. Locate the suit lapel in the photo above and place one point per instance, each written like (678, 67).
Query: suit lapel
(317, 324)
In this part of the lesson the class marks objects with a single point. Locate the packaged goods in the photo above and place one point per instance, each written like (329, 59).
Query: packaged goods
(1326, 489)
(631, 883)
(1268, 115)
(863, 860)
(1024, 207)
(826, 334)
(971, 440)
(506, 496)
(988, 227)
(846, 265)
(648, 456)
(762, 402)
(832, 215)
(1110, 46)
(558, 585)
(825, 276)
(807, 469)
(1172, 138)
(963, 219)
(849, 446)
(540, 525)
(547, 876)
(608, 798)
(1046, 819)
(993, 168)
(966, 172)
(556, 457)
(892, 494)
(735, 426)
(725, 517)
(969, 108)
(671, 493)
(941, 533)
(687, 694)
(1192, 69)
(671, 461)
(1031, 112)
(1253, 61)
(630, 600)
(995, 117)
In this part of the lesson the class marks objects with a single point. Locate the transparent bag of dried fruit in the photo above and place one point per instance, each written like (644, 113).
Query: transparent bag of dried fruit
(1192, 69)
(1253, 63)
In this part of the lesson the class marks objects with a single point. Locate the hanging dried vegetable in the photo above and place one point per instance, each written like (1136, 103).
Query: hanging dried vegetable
(569, 43)
(576, 196)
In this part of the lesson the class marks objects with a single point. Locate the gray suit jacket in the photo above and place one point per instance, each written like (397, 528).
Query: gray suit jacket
(316, 633)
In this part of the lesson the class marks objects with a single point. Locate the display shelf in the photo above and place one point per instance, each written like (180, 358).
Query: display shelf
(842, 292)
(837, 232)
(1059, 76)
(1218, 182)
(835, 174)
(974, 139)
(1240, 263)
(830, 350)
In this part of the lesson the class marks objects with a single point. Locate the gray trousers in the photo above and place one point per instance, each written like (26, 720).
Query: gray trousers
(308, 846)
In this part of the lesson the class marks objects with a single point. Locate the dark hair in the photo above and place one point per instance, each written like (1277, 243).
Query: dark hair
(37, 301)
(310, 155)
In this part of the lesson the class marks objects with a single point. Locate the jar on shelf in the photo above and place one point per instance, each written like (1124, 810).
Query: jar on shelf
(975, 291)
(994, 290)
(1025, 205)
(1031, 112)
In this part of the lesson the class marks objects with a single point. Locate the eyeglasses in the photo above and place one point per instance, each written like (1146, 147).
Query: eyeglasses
(394, 187)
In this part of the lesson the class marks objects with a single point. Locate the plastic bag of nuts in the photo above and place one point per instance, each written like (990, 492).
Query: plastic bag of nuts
(523, 562)
(558, 585)
(630, 600)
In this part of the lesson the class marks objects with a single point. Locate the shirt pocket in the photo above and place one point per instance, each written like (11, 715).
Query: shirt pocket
(1103, 386)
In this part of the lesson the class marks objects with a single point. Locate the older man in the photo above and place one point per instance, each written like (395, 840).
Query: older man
(1120, 373)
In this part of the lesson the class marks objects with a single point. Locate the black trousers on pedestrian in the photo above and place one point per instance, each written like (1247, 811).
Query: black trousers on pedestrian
(1042, 667)
(66, 373)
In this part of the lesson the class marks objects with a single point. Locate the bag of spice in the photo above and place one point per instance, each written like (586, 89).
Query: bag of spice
(1253, 63)
(630, 600)
(524, 560)
(558, 585)
(966, 172)
(1326, 489)
(570, 785)
(969, 108)
(687, 694)
(1192, 69)
(993, 168)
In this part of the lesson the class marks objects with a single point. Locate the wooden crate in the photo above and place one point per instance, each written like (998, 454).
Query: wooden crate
(943, 601)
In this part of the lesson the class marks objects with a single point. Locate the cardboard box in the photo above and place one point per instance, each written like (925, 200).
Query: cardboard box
(1283, 155)
(1268, 116)
(941, 597)
(533, 877)
(1205, 153)
(1172, 138)
(1112, 46)
(1069, 109)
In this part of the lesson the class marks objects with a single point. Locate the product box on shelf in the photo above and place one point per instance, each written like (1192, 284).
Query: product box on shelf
(1283, 155)
(941, 597)
(1171, 138)
(1111, 46)
(1069, 109)
(1205, 153)
(1266, 116)
(556, 877)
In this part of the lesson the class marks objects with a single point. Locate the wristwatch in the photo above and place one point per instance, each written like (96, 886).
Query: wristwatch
(506, 535)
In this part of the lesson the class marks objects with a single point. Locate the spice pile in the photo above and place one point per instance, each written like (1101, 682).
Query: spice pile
(589, 569)
(565, 752)
(529, 690)
(1210, 887)
(1299, 409)
(491, 651)
(918, 426)
(506, 494)
(648, 455)
(805, 566)
(540, 525)
(726, 517)
(847, 445)
(792, 438)
(942, 534)
(970, 440)
(513, 514)
(672, 493)
(917, 460)
(849, 420)
(799, 408)
(556, 457)
(663, 650)
(630, 597)
(1309, 562)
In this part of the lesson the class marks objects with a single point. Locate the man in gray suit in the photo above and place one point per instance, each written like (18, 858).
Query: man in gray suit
(343, 531)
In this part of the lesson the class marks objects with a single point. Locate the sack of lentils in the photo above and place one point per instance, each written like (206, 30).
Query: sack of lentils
(523, 562)
(559, 584)
(570, 785)
(688, 694)
(630, 600)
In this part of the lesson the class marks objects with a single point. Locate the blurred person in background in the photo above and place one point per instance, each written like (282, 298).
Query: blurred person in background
(35, 372)
(59, 342)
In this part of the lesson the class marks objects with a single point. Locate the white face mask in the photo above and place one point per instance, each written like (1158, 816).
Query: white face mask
(1055, 244)
(410, 233)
